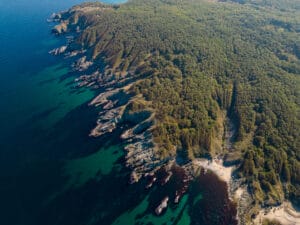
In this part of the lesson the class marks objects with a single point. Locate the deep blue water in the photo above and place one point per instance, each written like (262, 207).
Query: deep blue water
(51, 172)
(25, 40)
(44, 121)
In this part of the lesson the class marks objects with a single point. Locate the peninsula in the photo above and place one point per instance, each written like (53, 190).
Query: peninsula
(197, 84)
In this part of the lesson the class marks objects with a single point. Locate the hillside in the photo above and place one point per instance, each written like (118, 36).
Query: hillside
(197, 78)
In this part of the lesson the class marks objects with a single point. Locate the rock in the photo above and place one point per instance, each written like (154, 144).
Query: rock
(107, 122)
(141, 155)
(167, 178)
(87, 80)
(102, 98)
(58, 51)
(74, 53)
(103, 128)
(128, 134)
(177, 197)
(55, 17)
(134, 177)
(60, 28)
(82, 64)
(162, 206)
(109, 105)
(152, 179)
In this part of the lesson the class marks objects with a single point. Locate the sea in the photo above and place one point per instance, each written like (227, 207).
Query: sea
(51, 171)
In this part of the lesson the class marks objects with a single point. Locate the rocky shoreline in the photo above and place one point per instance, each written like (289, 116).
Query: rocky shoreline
(140, 147)
(114, 102)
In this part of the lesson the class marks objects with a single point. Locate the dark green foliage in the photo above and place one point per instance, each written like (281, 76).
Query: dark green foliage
(195, 59)
(269, 222)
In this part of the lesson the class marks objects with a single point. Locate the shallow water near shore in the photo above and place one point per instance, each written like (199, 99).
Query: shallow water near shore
(51, 171)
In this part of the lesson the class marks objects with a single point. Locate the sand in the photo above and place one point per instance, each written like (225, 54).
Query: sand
(216, 166)
(238, 193)
(285, 214)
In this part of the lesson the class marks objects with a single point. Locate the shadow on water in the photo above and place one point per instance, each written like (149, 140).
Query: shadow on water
(77, 91)
(215, 207)
(97, 202)
(69, 136)
(34, 190)
(167, 190)
(44, 82)
(32, 168)
(38, 173)
(44, 114)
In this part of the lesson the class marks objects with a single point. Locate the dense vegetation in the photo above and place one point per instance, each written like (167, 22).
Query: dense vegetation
(196, 62)
(268, 222)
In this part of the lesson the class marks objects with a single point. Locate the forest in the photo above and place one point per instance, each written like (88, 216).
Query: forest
(196, 62)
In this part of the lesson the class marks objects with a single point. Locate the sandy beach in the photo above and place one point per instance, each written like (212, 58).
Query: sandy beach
(216, 166)
(285, 214)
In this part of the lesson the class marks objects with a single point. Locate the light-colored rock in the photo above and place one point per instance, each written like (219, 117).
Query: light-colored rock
(60, 28)
(82, 64)
(102, 98)
(134, 177)
(162, 206)
(167, 178)
(55, 17)
(107, 123)
(58, 51)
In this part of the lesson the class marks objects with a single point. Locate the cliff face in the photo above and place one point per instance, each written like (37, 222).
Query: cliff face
(195, 79)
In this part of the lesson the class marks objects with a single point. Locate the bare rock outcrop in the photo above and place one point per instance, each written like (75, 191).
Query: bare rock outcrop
(58, 51)
(162, 206)
(61, 28)
(82, 64)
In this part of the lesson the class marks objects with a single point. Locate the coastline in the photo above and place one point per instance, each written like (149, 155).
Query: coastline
(286, 214)
(110, 116)
(236, 192)
(216, 166)
(140, 149)
(140, 145)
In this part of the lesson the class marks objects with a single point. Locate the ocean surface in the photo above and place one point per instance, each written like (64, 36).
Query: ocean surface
(51, 171)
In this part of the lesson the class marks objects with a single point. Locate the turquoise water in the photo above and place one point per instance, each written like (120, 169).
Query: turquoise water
(93, 166)
(170, 216)
(51, 171)
(40, 112)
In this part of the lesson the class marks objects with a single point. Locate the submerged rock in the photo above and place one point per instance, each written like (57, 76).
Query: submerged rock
(162, 206)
